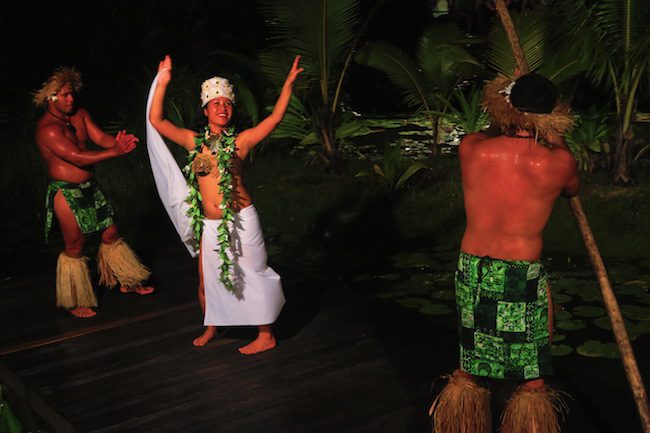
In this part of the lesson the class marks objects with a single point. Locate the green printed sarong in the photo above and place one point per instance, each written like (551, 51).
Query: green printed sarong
(502, 311)
(87, 201)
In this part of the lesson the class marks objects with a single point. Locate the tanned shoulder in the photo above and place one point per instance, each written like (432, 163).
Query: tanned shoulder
(82, 113)
(466, 143)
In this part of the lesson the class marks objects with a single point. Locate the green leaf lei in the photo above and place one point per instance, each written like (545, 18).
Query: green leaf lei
(223, 148)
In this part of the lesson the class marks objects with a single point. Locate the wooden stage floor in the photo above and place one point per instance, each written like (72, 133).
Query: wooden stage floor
(345, 362)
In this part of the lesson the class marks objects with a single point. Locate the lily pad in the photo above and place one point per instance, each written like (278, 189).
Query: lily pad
(392, 294)
(633, 329)
(635, 312)
(597, 349)
(603, 323)
(411, 132)
(561, 298)
(641, 283)
(362, 277)
(420, 285)
(435, 310)
(589, 311)
(411, 260)
(413, 302)
(639, 328)
(643, 298)
(571, 325)
(561, 350)
(587, 293)
(558, 337)
(389, 277)
(563, 315)
(629, 290)
(446, 295)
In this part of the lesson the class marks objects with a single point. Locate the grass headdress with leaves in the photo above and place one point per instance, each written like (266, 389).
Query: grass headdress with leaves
(528, 102)
(61, 76)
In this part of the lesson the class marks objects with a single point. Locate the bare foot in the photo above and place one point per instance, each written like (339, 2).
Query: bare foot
(82, 312)
(140, 290)
(264, 341)
(207, 335)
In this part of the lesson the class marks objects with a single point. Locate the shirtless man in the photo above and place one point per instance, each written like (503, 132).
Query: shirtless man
(236, 287)
(510, 184)
(75, 198)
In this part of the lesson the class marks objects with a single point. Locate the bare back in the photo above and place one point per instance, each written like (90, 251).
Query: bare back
(510, 185)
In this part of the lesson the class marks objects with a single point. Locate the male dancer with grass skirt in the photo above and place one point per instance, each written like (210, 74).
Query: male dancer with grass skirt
(77, 200)
(510, 184)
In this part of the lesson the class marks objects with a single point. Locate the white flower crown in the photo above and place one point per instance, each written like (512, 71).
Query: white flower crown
(215, 87)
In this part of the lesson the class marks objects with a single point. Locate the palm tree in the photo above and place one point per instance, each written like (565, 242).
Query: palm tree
(326, 34)
(429, 80)
(614, 36)
(547, 51)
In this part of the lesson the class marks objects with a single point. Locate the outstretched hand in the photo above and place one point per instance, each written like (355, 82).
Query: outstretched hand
(294, 72)
(165, 70)
(124, 142)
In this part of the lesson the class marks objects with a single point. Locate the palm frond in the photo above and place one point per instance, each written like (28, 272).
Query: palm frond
(295, 124)
(443, 59)
(621, 23)
(321, 31)
(274, 65)
(531, 29)
(399, 69)
(609, 35)
(246, 99)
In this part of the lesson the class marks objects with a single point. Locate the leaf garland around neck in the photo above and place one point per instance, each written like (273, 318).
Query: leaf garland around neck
(223, 149)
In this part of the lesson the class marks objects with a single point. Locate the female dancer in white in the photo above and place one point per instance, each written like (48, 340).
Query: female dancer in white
(212, 207)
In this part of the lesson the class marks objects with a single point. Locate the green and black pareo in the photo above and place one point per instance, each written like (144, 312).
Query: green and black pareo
(87, 201)
(223, 149)
(502, 311)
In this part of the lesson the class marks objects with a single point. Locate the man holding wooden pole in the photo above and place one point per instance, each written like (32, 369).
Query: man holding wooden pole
(510, 184)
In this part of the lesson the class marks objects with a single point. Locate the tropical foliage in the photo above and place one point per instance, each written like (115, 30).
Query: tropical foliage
(325, 33)
(465, 110)
(8, 421)
(590, 138)
(613, 36)
(428, 80)
(544, 47)
(395, 170)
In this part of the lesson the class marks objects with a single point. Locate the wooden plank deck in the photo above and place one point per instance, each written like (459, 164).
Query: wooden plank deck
(344, 363)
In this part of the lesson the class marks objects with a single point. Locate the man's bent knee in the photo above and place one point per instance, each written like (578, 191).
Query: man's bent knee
(110, 235)
(533, 384)
(74, 247)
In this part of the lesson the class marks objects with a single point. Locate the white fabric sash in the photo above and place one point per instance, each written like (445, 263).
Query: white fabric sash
(170, 182)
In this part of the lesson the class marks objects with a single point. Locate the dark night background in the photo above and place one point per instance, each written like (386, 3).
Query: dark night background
(117, 44)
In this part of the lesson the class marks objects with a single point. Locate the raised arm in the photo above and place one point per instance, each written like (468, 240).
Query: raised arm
(181, 136)
(101, 138)
(53, 138)
(251, 137)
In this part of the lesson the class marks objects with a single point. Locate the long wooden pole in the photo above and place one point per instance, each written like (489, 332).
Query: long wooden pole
(611, 304)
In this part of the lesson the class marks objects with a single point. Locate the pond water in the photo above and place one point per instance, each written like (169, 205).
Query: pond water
(422, 280)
